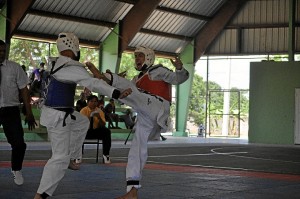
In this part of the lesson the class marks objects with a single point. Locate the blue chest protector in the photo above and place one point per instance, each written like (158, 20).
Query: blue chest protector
(59, 94)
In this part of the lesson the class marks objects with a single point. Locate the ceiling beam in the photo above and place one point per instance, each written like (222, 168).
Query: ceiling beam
(128, 1)
(157, 53)
(53, 15)
(16, 11)
(259, 26)
(183, 13)
(215, 26)
(134, 21)
(51, 38)
(100, 23)
(42, 13)
(164, 34)
(172, 11)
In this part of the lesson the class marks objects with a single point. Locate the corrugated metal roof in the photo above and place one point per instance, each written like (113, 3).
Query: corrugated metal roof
(45, 25)
(202, 7)
(263, 12)
(176, 24)
(159, 43)
(171, 23)
(111, 11)
(261, 27)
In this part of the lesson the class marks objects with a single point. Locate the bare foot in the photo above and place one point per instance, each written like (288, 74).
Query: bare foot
(37, 196)
(132, 194)
(73, 165)
(40, 196)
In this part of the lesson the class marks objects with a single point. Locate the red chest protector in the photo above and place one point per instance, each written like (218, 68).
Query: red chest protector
(156, 87)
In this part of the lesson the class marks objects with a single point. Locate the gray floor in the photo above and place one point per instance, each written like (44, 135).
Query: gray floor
(178, 168)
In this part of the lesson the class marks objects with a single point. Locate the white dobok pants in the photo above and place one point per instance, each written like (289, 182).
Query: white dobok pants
(152, 119)
(66, 143)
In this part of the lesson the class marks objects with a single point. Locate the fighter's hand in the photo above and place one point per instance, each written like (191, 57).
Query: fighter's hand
(29, 119)
(89, 64)
(125, 93)
(177, 63)
(122, 74)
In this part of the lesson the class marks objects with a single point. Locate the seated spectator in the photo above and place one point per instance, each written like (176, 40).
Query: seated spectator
(36, 80)
(110, 114)
(81, 103)
(101, 104)
(128, 119)
(97, 125)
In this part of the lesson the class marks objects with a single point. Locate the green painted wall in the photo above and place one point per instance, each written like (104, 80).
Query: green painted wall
(183, 92)
(272, 102)
(109, 52)
(3, 22)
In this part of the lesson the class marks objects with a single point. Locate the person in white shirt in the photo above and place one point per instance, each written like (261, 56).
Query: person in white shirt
(13, 81)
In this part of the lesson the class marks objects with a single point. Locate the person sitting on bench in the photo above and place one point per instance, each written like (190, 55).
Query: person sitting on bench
(97, 128)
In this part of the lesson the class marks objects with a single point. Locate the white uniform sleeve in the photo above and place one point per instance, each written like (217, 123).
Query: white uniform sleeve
(76, 73)
(163, 73)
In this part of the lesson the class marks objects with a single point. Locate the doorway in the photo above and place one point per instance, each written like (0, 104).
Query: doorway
(297, 116)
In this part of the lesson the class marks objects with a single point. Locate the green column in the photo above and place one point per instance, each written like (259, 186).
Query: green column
(109, 52)
(3, 22)
(183, 91)
(291, 37)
